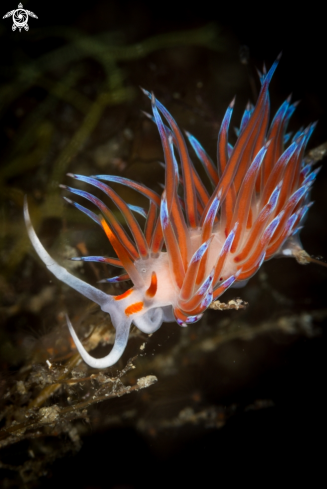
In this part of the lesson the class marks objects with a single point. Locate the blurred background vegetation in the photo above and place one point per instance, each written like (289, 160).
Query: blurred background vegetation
(227, 390)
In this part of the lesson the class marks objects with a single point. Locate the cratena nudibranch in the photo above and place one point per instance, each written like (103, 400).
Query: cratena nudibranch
(197, 244)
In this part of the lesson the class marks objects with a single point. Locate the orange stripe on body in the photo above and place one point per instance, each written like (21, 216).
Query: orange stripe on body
(241, 155)
(123, 296)
(240, 158)
(275, 175)
(116, 228)
(227, 209)
(275, 245)
(219, 266)
(171, 182)
(152, 290)
(275, 150)
(189, 186)
(167, 146)
(202, 268)
(177, 217)
(150, 223)
(184, 315)
(243, 203)
(130, 219)
(248, 273)
(173, 250)
(180, 315)
(250, 219)
(244, 152)
(123, 255)
(222, 146)
(201, 195)
(133, 308)
(257, 229)
(288, 211)
(126, 212)
(261, 140)
(157, 240)
(252, 262)
(189, 280)
(290, 175)
(210, 167)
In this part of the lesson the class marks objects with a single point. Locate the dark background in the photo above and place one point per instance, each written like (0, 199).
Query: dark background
(283, 443)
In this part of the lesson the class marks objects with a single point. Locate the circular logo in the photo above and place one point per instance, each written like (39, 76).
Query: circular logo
(20, 18)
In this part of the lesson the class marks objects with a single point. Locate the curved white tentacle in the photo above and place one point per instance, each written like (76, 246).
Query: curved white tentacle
(122, 333)
(60, 272)
(121, 323)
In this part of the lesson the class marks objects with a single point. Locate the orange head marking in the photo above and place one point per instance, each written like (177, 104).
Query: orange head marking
(133, 308)
(123, 296)
(152, 290)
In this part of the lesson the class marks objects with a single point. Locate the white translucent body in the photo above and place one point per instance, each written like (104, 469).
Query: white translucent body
(155, 310)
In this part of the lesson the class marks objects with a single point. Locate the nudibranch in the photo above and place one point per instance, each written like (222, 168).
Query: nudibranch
(195, 243)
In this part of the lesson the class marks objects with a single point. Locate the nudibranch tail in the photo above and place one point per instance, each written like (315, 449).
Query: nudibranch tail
(196, 243)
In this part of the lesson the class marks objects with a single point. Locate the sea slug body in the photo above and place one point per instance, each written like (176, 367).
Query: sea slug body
(195, 244)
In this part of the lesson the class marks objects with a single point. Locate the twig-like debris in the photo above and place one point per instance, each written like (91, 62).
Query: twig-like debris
(316, 154)
(210, 417)
(233, 304)
(303, 258)
(50, 389)
(57, 417)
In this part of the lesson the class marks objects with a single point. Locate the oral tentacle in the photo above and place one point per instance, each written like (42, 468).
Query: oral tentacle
(121, 339)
